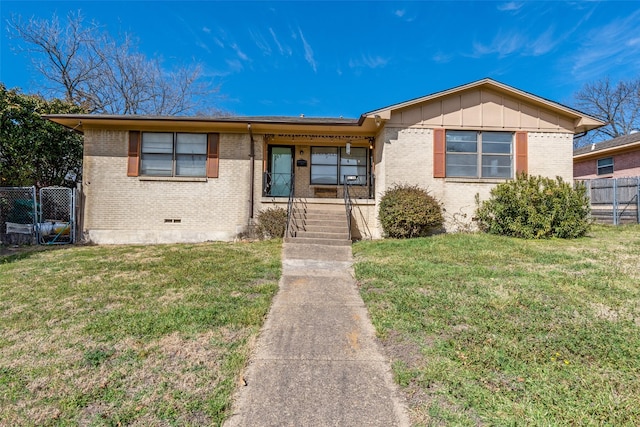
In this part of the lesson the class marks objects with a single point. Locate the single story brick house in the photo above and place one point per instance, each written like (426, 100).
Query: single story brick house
(616, 158)
(192, 179)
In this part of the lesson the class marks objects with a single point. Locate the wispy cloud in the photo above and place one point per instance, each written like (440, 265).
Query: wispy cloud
(260, 42)
(206, 30)
(239, 52)
(515, 42)
(510, 6)
(219, 42)
(502, 45)
(203, 46)
(402, 14)
(611, 46)
(368, 61)
(308, 52)
(234, 65)
(284, 50)
(442, 58)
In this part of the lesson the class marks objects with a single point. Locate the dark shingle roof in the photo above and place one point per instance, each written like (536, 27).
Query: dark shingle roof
(615, 142)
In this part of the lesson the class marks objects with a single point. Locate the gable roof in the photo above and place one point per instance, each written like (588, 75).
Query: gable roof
(616, 144)
(366, 124)
(583, 122)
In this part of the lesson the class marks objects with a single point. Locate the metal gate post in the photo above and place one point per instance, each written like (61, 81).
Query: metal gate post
(615, 201)
(638, 200)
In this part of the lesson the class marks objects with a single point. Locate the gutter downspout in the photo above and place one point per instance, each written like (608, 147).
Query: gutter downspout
(252, 155)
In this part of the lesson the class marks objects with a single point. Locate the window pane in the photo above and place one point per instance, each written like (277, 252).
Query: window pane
(154, 142)
(191, 143)
(497, 137)
(459, 141)
(156, 164)
(462, 136)
(496, 147)
(463, 165)
(496, 166)
(324, 155)
(191, 165)
(358, 156)
(605, 162)
(462, 147)
(324, 174)
(605, 166)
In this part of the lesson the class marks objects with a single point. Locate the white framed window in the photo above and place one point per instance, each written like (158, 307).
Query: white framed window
(474, 154)
(605, 166)
(173, 154)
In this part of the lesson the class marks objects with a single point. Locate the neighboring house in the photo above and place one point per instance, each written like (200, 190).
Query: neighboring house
(189, 179)
(615, 158)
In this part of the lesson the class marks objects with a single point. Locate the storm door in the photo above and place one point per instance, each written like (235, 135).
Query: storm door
(280, 171)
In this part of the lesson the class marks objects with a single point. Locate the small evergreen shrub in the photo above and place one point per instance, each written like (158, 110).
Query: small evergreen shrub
(272, 223)
(409, 211)
(535, 207)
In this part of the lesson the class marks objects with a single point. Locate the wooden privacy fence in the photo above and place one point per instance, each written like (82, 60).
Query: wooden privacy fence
(614, 200)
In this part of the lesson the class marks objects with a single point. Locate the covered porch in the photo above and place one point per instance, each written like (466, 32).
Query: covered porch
(318, 166)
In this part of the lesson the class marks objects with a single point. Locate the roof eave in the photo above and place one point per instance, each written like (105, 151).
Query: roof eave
(79, 122)
(609, 150)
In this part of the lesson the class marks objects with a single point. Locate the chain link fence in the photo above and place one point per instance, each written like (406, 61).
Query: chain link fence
(57, 215)
(18, 214)
(29, 217)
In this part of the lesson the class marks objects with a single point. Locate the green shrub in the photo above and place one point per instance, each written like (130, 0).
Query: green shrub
(535, 207)
(272, 223)
(409, 211)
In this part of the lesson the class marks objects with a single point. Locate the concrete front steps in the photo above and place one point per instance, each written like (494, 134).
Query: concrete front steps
(319, 224)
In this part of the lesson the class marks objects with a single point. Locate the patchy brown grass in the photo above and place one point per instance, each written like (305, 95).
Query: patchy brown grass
(154, 335)
(486, 330)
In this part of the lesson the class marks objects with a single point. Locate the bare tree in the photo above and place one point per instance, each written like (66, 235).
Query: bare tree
(90, 68)
(618, 105)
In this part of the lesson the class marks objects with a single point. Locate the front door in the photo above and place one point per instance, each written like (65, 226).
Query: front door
(280, 171)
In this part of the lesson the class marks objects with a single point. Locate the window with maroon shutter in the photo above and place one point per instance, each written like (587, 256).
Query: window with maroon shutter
(173, 154)
(133, 163)
(213, 154)
(439, 152)
(473, 154)
(522, 162)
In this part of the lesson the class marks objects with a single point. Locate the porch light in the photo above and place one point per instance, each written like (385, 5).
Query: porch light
(378, 120)
(349, 148)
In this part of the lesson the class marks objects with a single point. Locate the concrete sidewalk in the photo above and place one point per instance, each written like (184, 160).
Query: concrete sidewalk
(317, 362)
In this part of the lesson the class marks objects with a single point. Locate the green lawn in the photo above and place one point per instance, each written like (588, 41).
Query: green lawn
(117, 335)
(486, 330)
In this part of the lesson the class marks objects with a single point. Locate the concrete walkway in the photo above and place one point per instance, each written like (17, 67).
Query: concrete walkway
(317, 361)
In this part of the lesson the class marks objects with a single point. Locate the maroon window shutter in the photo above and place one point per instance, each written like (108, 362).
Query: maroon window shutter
(439, 153)
(213, 154)
(522, 163)
(133, 165)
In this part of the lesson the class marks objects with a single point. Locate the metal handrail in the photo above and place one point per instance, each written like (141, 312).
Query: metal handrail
(348, 203)
(290, 206)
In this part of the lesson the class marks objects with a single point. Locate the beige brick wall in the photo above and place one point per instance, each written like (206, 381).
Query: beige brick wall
(551, 154)
(121, 209)
(408, 159)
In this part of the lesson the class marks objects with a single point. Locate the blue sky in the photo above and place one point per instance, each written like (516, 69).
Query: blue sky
(331, 59)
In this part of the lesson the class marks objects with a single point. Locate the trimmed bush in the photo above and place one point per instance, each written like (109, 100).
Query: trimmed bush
(272, 223)
(535, 207)
(409, 211)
